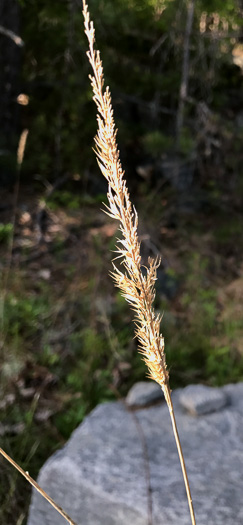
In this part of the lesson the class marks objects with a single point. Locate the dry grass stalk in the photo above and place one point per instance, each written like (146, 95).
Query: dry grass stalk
(137, 288)
(21, 147)
(38, 488)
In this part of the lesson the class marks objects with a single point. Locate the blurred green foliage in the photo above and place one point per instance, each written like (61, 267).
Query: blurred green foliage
(194, 341)
(6, 232)
(24, 315)
(156, 142)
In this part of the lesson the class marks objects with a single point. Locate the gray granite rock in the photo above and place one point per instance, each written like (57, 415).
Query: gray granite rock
(200, 399)
(100, 476)
(144, 393)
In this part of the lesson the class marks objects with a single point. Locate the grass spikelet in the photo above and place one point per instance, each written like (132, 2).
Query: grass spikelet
(137, 288)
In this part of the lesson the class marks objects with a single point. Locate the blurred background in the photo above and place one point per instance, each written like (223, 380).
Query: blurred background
(174, 68)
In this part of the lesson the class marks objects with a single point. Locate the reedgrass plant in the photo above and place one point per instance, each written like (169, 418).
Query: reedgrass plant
(137, 287)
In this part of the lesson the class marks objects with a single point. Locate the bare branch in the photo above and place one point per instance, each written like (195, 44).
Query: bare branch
(16, 39)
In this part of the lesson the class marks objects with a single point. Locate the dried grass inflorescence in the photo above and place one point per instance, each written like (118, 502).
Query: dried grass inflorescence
(137, 288)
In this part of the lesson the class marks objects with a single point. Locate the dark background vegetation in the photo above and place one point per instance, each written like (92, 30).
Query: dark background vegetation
(175, 72)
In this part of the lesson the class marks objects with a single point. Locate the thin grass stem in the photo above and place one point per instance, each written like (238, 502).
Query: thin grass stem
(180, 453)
(38, 488)
(137, 288)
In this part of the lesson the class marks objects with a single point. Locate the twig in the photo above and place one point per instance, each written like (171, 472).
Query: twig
(21, 147)
(38, 488)
(16, 39)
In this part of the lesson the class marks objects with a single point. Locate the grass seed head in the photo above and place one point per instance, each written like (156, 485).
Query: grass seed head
(137, 289)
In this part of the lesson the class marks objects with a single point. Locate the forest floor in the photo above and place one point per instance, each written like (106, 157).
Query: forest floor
(67, 338)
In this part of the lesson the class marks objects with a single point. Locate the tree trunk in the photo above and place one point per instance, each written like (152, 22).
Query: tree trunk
(185, 72)
(10, 45)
